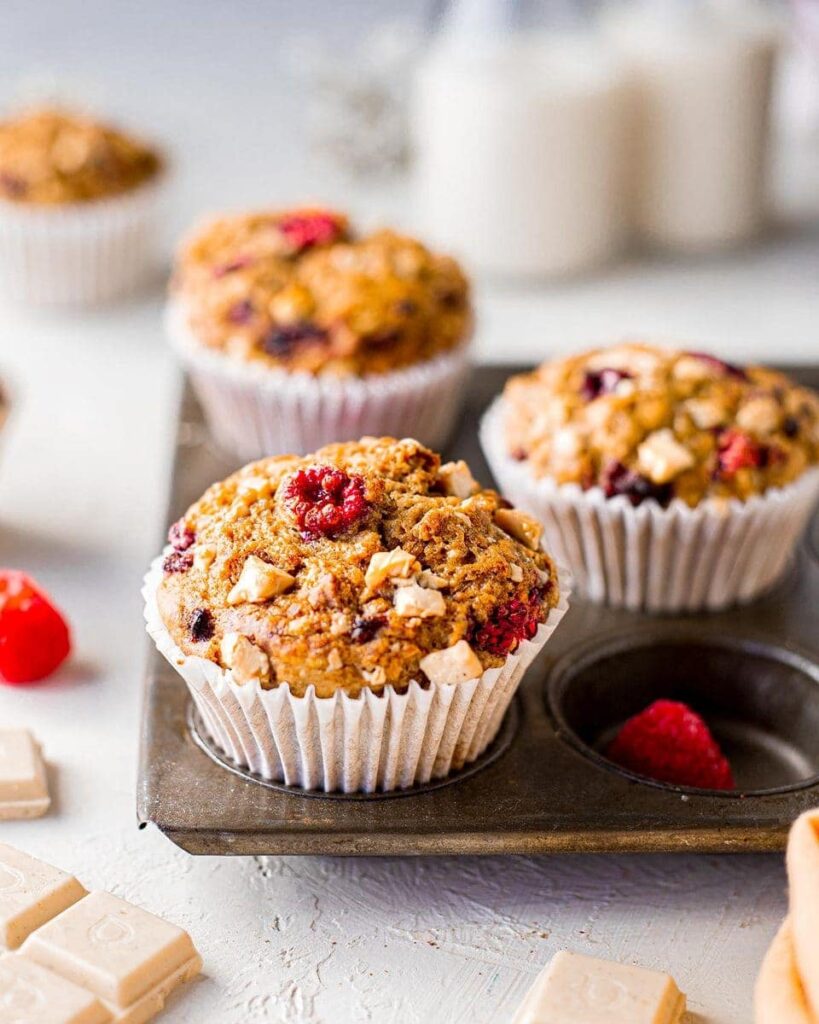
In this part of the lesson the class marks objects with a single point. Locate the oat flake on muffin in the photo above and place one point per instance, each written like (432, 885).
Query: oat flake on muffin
(365, 565)
(299, 290)
(651, 423)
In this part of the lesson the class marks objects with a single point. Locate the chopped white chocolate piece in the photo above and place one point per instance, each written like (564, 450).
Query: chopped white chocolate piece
(520, 525)
(334, 662)
(574, 988)
(128, 958)
(244, 659)
(374, 676)
(29, 994)
(661, 457)
(761, 415)
(418, 601)
(23, 782)
(515, 573)
(705, 413)
(425, 578)
(692, 368)
(457, 480)
(259, 581)
(385, 564)
(31, 893)
(456, 664)
(203, 557)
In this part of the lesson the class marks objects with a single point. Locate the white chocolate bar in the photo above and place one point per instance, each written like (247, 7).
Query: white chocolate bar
(575, 988)
(23, 783)
(31, 995)
(127, 957)
(31, 893)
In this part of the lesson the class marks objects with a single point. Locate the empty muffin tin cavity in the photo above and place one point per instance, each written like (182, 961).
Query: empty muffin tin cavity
(760, 701)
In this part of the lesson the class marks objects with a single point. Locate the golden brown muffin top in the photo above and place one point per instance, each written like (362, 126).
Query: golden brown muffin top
(298, 290)
(366, 564)
(647, 422)
(52, 157)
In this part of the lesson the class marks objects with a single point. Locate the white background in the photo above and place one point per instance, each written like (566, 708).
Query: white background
(82, 489)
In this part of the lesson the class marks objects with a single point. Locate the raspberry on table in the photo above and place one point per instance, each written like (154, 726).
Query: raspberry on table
(305, 230)
(326, 501)
(602, 382)
(509, 624)
(669, 742)
(737, 450)
(34, 637)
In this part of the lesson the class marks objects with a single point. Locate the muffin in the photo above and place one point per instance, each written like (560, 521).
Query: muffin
(667, 480)
(78, 206)
(356, 619)
(297, 332)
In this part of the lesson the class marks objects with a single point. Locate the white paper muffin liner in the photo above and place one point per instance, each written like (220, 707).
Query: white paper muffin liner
(349, 744)
(653, 559)
(79, 254)
(254, 411)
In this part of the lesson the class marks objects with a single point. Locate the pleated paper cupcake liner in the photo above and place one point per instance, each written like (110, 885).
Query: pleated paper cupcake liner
(255, 411)
(653, 559)
(372, 742)
(79, 254)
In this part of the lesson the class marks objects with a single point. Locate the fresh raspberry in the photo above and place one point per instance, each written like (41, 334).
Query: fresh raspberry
(509, 624)
(669, 742)
(728, 369)
(325, 501)
(602, 382)
(736, 451)
(181, 536)
(308, 228)
(615, 478)
(34, 637)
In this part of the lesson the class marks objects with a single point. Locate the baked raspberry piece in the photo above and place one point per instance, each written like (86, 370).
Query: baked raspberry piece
(615, 478)
(34, 637)
(280, 341)
(326, 501)
(509, 624)
(181, 536)
(736, 451)
(602, 382)
(310, 227)
(669, 742)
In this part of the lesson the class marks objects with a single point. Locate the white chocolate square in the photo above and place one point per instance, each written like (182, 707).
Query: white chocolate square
(23, 783)
(32, 995)
(127, 957)
(31, 893)
(574, 988)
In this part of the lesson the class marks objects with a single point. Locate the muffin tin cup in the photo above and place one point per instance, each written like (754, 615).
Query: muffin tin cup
(253, 411)
(653, 559)
(376, 742)
(79, 254)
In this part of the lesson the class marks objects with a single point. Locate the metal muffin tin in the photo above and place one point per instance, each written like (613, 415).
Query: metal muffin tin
(543, 786)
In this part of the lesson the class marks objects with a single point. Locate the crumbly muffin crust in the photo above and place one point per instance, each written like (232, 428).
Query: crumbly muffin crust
(651, 423)
(363, 565)
(52, 157)
(300, 291)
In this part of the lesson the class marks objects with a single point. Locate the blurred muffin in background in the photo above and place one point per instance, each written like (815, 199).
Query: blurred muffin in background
(297, 331)
(667, 480)
(78, 203)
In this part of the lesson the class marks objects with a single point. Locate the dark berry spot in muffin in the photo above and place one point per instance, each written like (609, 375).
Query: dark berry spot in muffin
(602, 382)
(406, 307)
(326, 501)
(178, 561)
(241, 312)
(12, 185)
(304, 230)
(509, 624)
(616, 479)
(239, 263)
(518, 454)
(382, 339)
(736, 451)
(200, 624)
(181, 536)
(365, 630)
(280, 341)
(452, 299)
(790, 428)
(729, 369)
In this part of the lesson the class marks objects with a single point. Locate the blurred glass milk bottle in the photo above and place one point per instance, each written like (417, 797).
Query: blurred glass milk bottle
(519, 135)
(701, 74)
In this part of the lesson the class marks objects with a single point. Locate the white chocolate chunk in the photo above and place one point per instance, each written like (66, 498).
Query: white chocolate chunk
(23, 781)
(29, 994)
(385, 564)
(691, 368)
(457, 480)
(203, 557)
(520, 525)
(425, 578)
(705, 413)
(259, 581)
(515, 573)
(759, 415)
(456, 664)
(661, 457)
(418, 601)
(127, 957)
(374, 676)
(31, 893)
(574, 988)
(244, 659)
